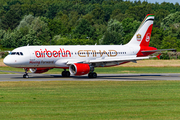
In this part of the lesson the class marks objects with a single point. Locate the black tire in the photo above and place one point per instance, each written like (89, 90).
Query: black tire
(25, 76)
(90, 75)
(67, 74)
(63, 73)
(94, 75)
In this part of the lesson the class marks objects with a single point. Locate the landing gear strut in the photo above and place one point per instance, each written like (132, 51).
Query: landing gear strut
(65, 73)
(26, 73)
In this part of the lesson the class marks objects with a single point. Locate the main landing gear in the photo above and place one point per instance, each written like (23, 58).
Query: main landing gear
(26, 73)
(65, 73)
(92, 75)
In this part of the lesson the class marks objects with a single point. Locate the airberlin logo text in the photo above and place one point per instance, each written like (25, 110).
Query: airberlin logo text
(55, 53)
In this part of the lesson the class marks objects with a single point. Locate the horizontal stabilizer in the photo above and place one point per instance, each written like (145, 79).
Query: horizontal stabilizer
(146, 51)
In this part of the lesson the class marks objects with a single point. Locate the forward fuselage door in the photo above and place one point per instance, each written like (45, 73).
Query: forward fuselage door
(33, 59)
(32, 54)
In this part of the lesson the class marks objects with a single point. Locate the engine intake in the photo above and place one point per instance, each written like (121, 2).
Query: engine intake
(79, 69)
(38, 70)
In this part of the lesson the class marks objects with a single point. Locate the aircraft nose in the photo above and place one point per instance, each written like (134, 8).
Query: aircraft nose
(7, 61)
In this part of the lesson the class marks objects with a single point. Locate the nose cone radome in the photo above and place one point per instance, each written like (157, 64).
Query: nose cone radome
(7, 61)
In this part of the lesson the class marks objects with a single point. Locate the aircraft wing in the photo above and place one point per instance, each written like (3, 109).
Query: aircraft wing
(132, 58)
(118, 59)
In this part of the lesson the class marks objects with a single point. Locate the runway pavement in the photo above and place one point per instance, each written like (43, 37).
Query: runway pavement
(101, 77)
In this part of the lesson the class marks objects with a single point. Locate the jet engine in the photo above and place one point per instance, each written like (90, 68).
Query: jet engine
(38, 70)
(79, 68)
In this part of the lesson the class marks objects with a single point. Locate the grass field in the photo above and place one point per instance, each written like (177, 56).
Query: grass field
(90, 100)
(79, 100)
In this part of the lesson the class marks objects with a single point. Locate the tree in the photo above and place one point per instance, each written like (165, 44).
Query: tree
(11, 39)
(41, 29)
(26, 21)
(55, 27)
(114, 33)
(84, 30)
(73, 18)
(29, 23)
(170, 20)
(130, 26)
(170, 42)
(98, 15)
(12, 18)
(30, 38)
(52, 11)
(157, 37)
(159, 16)
(138, 12)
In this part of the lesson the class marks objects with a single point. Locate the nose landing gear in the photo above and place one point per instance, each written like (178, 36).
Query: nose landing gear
(26, 73)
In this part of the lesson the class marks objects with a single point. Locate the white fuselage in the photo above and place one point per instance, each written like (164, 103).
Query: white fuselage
(58, 56)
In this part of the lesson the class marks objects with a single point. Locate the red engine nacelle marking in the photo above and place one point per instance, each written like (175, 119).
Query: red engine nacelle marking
(79, 68)
(39, 70)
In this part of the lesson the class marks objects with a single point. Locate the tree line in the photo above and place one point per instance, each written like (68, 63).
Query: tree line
(73, 22)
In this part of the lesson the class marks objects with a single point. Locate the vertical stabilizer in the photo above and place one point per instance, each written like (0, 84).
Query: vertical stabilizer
(143, 34)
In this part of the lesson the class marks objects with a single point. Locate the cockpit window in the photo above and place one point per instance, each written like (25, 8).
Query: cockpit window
(16, 53)
(13, 53)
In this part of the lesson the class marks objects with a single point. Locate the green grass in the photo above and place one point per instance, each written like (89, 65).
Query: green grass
(90, 100)
(110, 70)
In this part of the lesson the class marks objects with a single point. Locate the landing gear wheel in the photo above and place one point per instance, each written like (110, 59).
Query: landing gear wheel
(92, 75)
(26, 73)
(65, 73)
(26, 76)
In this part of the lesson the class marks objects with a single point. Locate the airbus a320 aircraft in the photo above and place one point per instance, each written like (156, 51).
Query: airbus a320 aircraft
(82, 59)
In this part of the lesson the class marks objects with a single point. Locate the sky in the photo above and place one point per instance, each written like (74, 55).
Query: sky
(159, 1)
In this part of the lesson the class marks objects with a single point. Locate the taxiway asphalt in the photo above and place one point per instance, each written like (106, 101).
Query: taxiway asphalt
(101, 77)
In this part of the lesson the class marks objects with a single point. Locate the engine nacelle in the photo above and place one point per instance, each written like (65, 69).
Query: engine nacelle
(38, 70)
(79, 69)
